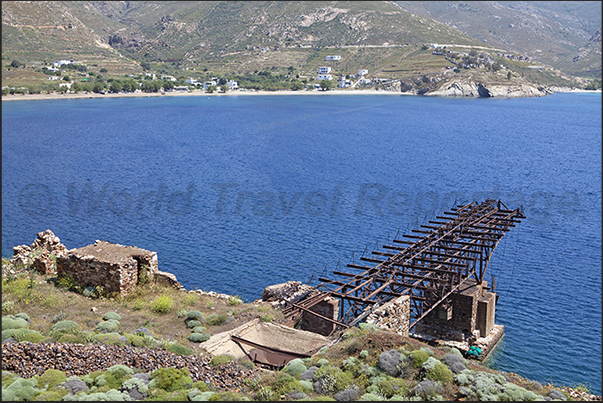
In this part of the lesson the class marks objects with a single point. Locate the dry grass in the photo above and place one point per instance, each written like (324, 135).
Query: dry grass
(41, 298)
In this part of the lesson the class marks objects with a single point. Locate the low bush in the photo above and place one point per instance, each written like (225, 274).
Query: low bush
(12, 322)
(162, 304)
(195, 315)
(111, 315)
(33, 337)
(192, 324)
(393, 386)
(295, 366)
(51, 378)
(23, 316)
(179, 349)
(199, 329)
(216, 319)
(66, 326)
(170, 379)
(221, 360)
(418, 357)
(265, 394)
(108, 326)
(21, 389)
(199, 337)
(226, 397)
(390, 362)
(330, 379)
(440, 373)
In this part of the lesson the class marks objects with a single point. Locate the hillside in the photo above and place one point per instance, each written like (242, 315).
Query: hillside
(550, 32)
(59, 344)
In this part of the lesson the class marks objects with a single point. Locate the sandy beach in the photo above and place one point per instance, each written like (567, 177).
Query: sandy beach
(30, 97)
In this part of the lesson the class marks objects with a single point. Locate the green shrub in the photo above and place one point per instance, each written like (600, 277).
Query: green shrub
(225, 397)
(108, 326)
(51, 378)
(179, 349)
(120, 370)
(111, 315)
(216, 319)
(418, 358)
(286, 383)
(393, 386)
(199, 329)
(440, 373)
(7, 306)
(171, 379)
(20, 389)
(199, 337)
(331, 379)
(200, 386)
(295, 366)
(12, 322)
(33, 337)
(192, 324)
(368, 326)
(370, 397)
(162, 304)
(234, 301)
(108, 338)
(195, 315)
(363, 354)
(137, 341)
(52, 395)
(221, 360)
(17, 334)
(66, 326)
(69, 338)
(23, 316)
(265, 394)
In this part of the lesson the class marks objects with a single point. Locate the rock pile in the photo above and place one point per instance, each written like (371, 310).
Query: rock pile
(32, 359)
(291, 291)
(39, 254)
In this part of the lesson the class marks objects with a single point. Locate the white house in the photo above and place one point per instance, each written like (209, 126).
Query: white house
(59, 63)
(343, 82)
(152, 75)
(168, 78)
(324, 70)
(232, 85)
(209, 83)
(68, 85)
(54, 77)
(335, 57)
(362, 72)
(193, 81)
(181, 88)
(324, 77)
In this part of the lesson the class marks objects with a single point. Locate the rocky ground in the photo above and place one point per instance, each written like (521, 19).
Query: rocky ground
(32, 359)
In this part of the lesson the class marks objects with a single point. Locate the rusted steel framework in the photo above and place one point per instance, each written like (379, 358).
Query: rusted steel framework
(428, 265)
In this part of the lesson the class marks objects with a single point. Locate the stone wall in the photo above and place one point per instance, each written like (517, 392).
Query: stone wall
(456, 317)
(393, 316)
(41, 254)
(114, 267)
(328, 308)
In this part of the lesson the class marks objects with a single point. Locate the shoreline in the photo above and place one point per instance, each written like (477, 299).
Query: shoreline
(32, 97)
(55, 95)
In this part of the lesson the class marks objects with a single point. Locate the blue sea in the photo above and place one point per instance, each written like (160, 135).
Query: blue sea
(240, 192)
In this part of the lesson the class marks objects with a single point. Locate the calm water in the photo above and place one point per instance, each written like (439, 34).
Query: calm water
(237, 193)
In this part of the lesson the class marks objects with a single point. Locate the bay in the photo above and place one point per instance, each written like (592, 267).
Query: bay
(235, 193)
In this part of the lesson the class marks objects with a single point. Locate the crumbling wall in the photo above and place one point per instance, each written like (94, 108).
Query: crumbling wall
(456, 317)
(393, 316)
(41, 254)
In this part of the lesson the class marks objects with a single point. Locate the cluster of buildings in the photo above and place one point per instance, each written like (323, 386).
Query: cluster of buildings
(324, 74)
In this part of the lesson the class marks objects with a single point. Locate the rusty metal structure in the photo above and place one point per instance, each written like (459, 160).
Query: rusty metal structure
(428, 265)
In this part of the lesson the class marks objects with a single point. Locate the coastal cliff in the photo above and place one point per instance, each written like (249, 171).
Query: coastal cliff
(466, 87)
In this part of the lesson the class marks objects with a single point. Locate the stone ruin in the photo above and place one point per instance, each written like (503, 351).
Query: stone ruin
(116, 268)
(41, 255)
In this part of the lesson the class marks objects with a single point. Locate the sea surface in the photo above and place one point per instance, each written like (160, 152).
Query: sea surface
(240, 192)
